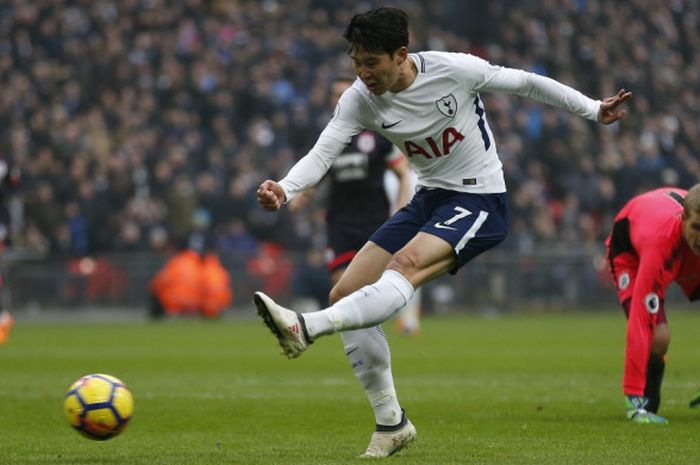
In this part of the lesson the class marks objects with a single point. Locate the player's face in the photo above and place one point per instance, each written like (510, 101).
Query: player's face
(691, 231)
(379, 71)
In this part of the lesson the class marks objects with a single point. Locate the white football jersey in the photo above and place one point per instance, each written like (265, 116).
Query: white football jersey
(438, 122)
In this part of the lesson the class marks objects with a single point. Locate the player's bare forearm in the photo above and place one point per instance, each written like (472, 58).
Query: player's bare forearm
(302, 199)
(610, 110)
(270, 195)
(404, 192)
(403, 172)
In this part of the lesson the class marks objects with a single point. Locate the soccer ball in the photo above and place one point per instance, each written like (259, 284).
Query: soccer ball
(98, 406)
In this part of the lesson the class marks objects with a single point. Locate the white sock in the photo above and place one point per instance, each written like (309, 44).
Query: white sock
(368, 352)
(363, 308)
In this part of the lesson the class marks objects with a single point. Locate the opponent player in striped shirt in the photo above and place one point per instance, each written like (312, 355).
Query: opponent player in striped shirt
(428, 104)
(655, 241)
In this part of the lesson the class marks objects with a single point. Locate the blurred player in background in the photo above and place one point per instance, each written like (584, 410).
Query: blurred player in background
(6, 320)
(193, 281)
(428, 105)
(369, 180)
(655, 241)
(9, 180)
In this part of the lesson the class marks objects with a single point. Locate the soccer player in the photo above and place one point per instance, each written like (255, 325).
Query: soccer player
(655, 240)
(358, 204)
(6, 322)
(9, 181)
(428, 104)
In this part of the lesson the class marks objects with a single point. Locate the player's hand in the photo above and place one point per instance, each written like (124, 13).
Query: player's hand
(609, 111)
(270, 195)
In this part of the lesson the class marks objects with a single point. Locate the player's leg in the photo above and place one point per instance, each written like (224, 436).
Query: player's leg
(408, 318)
(294, 333)
(458, 227)
(156, 311)
(623, 264)
(359, 305)
(623, 268)
(369, 355)
(367, 349)
(368, 352)
(451, 236)
(465, 243)
(657, 363)
(423, 258)
(365, 268)
(6, 320)
(695, 400)
(351, 308)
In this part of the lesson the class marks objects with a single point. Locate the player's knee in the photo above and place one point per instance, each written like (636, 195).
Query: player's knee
(403, 262)
(336, 293)
(661, 341)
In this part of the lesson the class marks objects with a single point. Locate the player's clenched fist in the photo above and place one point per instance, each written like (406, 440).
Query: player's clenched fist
(270, 195)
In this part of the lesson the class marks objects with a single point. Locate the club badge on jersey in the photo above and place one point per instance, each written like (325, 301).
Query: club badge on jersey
(447, 105)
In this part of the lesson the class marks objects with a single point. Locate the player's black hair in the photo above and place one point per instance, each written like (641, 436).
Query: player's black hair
(380, 30)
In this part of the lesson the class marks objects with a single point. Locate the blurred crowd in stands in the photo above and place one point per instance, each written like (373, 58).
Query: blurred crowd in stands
(134, 123)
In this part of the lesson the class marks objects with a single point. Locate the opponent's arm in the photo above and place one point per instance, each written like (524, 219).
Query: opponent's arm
(647, 300)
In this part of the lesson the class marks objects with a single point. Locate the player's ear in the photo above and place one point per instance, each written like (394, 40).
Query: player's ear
(400, 55)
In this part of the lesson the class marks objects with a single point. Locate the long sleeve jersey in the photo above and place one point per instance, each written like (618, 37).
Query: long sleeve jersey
(438, 122)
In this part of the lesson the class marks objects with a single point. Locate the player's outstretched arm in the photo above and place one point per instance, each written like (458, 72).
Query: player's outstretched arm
(270, 195)
(610, 111)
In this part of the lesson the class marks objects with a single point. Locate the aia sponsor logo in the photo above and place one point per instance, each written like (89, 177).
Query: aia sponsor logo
(431, 148)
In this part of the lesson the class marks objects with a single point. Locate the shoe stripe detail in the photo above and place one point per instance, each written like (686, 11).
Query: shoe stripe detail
(388, 443)
(390, 428)
(303, 329)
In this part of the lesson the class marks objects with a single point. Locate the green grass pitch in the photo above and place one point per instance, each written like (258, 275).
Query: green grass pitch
(524, 389)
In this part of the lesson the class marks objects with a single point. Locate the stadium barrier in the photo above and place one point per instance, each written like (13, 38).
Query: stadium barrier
(499, 281)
